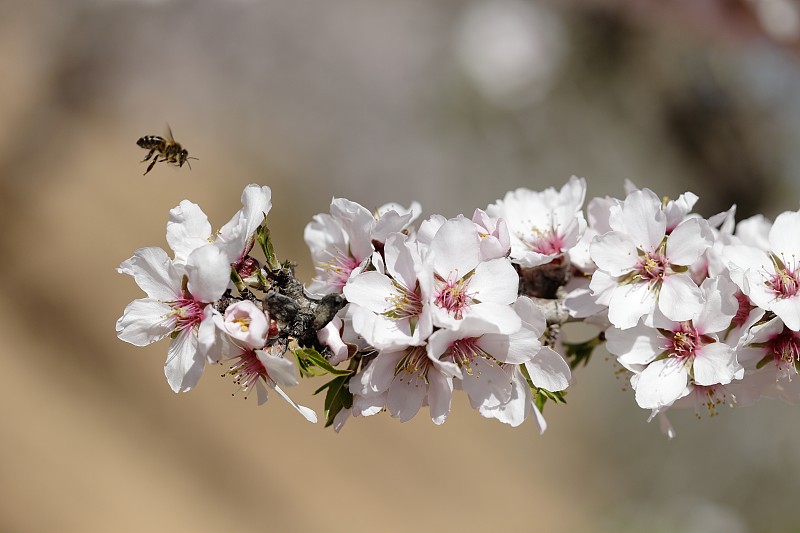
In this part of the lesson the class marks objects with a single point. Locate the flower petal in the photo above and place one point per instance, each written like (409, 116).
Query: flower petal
(614, 252)
(145, 321)
(714, 364)
(661, 383)
(680, 299)
(185, 363)
(549, 370)
(688, 241)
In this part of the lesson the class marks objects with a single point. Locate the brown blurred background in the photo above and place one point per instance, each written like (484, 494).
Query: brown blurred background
(449, 103)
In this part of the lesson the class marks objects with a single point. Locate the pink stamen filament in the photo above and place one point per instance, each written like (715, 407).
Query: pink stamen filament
(545, 242)
(247, 370)
(189, 313)
(453, 297)
(339, 268)
(651, 268)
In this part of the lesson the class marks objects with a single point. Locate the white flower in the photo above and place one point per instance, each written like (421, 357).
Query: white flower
(340, 245)
(402, 380)
(391, 310)
(460, 284)
(774, 348)
(177, 305)
(485, 363)
(542, 225)
(664, 358)
(771, 278)
(641, 269)
(188, 227)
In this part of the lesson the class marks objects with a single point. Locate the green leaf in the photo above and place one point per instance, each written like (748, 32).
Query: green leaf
(337, 398)
(315, 364)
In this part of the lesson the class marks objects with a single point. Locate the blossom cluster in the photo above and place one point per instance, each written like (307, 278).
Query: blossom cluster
(701, 312)
(698, 312)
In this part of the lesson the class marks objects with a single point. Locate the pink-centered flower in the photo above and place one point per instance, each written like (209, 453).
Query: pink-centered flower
(179, 306)
(641, 268)
(460, 284)
(771, 278)
(542, 225)
(664, 358)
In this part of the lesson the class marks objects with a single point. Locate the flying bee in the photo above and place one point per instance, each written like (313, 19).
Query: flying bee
(168, 149)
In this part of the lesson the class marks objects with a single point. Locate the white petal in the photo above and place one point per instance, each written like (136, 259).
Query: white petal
(661, 383)
(371, 290)
(740, 258)
(280, 369)
(635, 346)
(440, 394)
(154, 273)
(680, 298)
(406, 397)
(784, 236)
(185, 363)
(514, 349)
(456, 248)
(495, 281)
(530, 314)
(714, 364)
(538, 418)
(501, 318)
(488, 385)
(614, 253)
(549, 370)
(788, 309)
(187, 229)
(629, 303)
(720, 305)
(209, 273)
(643, 219)
(688, 241)
(144, 322)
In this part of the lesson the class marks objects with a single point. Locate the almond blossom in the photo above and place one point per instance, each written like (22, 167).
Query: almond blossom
(178, 304)
(460, 284)
(542, 225)
(341, 242)
(664, 358)
(391, 309)
(640, 268)
(771, 278)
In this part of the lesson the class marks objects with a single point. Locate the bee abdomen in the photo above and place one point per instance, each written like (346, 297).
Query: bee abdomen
(150, 141)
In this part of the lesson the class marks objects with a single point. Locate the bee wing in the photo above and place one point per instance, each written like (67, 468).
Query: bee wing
(169, 134)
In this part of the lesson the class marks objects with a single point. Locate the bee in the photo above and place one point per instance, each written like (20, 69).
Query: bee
(168, 149)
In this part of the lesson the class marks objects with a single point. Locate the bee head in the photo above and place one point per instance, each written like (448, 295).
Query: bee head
(142, 141)
(183, 155)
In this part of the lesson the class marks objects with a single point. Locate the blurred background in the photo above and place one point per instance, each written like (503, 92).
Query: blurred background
(449, 103)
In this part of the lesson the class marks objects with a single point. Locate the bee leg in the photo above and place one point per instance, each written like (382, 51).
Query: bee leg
(150, 166)
(149, 155)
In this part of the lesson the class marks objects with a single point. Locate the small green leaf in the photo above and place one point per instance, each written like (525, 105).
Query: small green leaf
(310, 358)
(337, 398)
